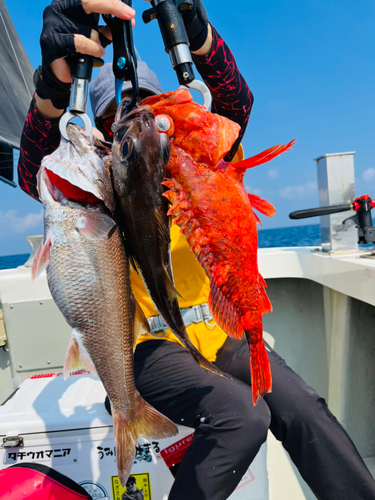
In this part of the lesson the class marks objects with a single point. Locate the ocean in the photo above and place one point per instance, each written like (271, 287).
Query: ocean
(298, 236)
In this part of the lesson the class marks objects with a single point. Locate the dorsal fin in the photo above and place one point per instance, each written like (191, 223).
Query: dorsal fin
(263, 206)
(263, 157)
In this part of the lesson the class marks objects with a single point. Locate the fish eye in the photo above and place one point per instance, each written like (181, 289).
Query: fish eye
(129, 149)
(165, 124)
(165, 147)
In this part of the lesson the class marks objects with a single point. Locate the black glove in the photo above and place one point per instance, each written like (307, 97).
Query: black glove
(196, 24)
(62, 19)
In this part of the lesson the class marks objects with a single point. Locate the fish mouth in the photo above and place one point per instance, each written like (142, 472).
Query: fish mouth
(124, 118)
(61, 189)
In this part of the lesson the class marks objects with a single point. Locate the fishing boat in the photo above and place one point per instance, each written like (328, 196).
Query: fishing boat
(322, 324)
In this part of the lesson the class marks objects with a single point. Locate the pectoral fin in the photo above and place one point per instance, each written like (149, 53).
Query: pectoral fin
(95, 226)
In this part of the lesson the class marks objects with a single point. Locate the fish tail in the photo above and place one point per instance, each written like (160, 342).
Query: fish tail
(261, 378)
(203, 362)
(147, 422)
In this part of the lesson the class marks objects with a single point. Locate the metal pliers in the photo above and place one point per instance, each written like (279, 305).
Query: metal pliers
(124, 56)
(176, 42)
(81, 71)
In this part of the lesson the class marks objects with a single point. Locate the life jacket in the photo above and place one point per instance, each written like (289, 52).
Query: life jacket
(31, 481)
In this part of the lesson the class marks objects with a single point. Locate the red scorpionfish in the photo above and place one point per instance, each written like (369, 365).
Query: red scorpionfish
(214, 211)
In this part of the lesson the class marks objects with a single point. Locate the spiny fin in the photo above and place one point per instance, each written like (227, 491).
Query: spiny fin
(163, 228)
(261, 378)
(265, 305)
(95, 226)
(41, 259)
(224, 313)
(148, 423)
(141, 324)
(263, 206)
(263, 157)
(76, 356)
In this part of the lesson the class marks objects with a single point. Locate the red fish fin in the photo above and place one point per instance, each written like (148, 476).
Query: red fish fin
(263, 206)
(95, 226)
(257, 218)
(265, 305)
(261, 379)
(224, 313)
(141, 324)
(41, 259)
(147, 422)
(263, 157)
(76, 356)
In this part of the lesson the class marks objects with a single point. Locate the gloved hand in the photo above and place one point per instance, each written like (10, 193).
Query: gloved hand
(71, 27)
(196, 24)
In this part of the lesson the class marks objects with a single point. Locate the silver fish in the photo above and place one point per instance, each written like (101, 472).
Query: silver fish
(88, 276)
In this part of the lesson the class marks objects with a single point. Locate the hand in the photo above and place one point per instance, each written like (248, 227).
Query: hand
(72, 27)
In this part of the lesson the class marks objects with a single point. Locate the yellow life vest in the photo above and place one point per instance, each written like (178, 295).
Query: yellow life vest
(193, 285)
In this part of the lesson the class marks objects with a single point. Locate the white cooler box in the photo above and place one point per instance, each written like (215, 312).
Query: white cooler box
(63, 424)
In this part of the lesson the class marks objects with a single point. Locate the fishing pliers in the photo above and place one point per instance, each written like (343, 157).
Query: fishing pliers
(124, 56)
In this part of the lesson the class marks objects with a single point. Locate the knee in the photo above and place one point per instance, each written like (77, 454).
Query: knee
(304, 414)
(245, 426)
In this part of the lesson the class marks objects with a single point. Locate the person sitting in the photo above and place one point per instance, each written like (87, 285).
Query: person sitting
(229, 430)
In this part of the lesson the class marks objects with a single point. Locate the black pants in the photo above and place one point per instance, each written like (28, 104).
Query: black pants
(229, 430)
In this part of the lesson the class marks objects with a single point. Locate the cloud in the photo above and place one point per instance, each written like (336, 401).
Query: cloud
(252, 190)
(14, 224)
(368, 174)
(298, 191)
(273, 173)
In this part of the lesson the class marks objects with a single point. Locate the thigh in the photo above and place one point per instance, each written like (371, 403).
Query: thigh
(169, 379)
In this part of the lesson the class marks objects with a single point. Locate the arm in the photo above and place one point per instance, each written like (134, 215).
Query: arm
(68, 28)
(40, 137)
(231, 95)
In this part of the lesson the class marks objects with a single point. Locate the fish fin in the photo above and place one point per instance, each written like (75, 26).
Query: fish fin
(148, 423)
(203, 362)
(172, 293)
(263, 157)
(265, 305)
(261, 378)
(41, 259)
(257, 219)
(163, 228)
(263, 206)
(225, 313)
(95, 226)
(141, 324)
(76, 356)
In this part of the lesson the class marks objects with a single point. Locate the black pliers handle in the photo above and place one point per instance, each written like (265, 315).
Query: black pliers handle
(124, 56)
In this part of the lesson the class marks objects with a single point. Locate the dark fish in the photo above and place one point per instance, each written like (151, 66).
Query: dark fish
(140, 155)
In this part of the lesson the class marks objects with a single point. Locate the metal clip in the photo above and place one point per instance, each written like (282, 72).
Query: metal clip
(12, 442)
(203, 89)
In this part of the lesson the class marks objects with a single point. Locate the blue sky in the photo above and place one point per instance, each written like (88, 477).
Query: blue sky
(310, 65)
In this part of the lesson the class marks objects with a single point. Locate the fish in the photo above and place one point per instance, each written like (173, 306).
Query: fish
(140, 154)
(214, 211)
(89, 279)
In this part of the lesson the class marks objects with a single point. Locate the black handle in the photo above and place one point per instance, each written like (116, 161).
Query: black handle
(81, 66)
(315, 212)
(173, 32)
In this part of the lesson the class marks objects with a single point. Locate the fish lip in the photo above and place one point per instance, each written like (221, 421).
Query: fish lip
(132, 115)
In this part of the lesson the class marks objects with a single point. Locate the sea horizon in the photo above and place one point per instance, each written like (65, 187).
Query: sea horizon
(293, 236)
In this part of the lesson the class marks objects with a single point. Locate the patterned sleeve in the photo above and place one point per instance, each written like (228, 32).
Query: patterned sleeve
(231, 97)
(40, 137)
